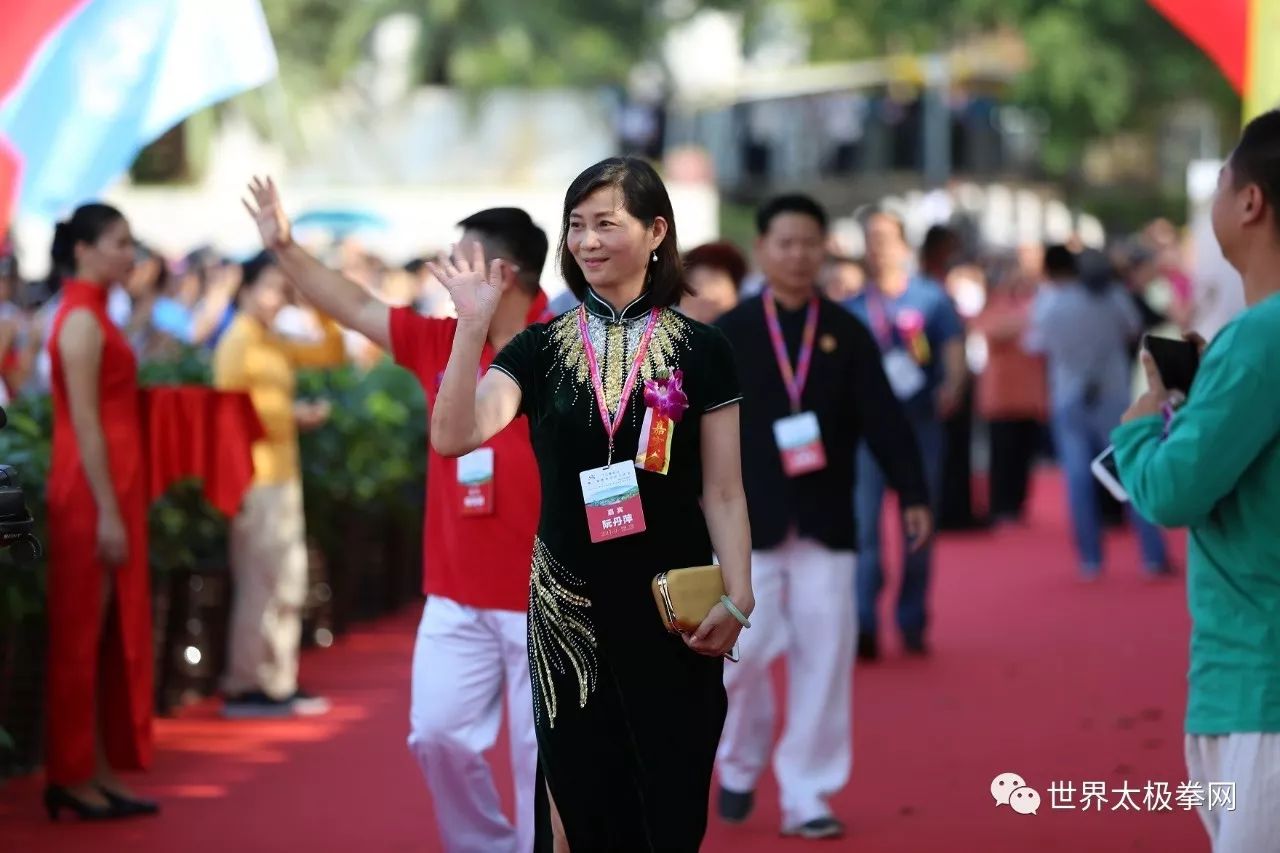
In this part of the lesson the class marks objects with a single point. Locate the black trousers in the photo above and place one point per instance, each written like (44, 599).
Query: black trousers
(1014, 445)
(956, 504)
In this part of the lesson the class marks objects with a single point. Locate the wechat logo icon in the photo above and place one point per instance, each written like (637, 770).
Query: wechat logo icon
(1010, 789)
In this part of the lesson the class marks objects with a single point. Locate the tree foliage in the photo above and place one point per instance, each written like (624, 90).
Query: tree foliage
(477, 43)
(1098, 66)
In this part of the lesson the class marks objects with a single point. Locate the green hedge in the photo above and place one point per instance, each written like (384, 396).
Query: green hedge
(363, 475)
(369, 460)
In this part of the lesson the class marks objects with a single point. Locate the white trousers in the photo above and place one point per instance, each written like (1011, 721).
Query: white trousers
(1252, 761)
(803, 610)
(463, 659)
(268, 554)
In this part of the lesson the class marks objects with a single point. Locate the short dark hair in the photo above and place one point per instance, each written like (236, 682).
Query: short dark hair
(86, 225)
(1096, 271)
(936, 239)
(645, 197)
(1059, 261)
(722, 256)
(1134, 254)
(516, 234)
(252, 270)
(1256, 159)
(789, 203)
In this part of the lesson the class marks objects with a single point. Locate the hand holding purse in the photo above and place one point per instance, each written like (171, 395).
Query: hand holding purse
(685, 597)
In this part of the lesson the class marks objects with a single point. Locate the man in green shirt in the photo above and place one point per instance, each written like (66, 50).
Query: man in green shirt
(1217, 472)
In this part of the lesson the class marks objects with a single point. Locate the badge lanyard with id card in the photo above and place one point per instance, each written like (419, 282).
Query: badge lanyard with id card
(905, 376)
(475, 482)
(611, 494)
(798, 436)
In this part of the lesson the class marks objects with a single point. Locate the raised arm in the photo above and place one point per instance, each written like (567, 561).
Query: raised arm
(468, 413)
(330, 291)
(80, 347)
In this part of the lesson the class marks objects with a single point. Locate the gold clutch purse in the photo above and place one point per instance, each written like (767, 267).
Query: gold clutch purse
(686, 596)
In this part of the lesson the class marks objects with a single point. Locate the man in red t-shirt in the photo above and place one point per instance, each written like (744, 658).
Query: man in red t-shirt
(481, 516)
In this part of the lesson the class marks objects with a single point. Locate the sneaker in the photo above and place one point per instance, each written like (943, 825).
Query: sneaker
(818, 828)
(306, 705)
(735, 807)
(256, 705)
(868, 646)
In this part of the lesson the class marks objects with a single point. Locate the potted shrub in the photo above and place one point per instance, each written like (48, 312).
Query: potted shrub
(357, 472)
(190, 590)
(24, 444)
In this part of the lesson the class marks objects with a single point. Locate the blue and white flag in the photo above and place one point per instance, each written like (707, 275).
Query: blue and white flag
(113, 78)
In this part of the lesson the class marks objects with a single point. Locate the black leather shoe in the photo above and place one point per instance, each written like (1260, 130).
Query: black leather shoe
(823, 827)
(913, 642)
(57, 798)
(129, 807)
(736, 806)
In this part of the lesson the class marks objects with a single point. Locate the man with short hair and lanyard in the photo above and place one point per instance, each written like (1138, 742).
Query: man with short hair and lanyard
(921, 338)
(817, 387)
(481, 516)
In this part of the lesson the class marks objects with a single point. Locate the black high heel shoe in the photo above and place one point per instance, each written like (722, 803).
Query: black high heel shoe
(57, 798)
(129, 807)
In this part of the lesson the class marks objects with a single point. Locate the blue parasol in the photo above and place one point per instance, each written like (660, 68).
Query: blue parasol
(341, 221)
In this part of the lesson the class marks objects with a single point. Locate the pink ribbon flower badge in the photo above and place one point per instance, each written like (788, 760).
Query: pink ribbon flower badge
(665, 395)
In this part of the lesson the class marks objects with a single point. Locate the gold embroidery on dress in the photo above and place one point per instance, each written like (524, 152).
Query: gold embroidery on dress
(671, 335)
(613, 364)
(561, 636)
(567, 341)
(615, 345)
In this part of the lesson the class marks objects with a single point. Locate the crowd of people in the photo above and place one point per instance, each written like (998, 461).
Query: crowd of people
(669, 412)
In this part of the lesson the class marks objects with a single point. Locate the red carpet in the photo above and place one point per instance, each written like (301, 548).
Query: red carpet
(1033, 673)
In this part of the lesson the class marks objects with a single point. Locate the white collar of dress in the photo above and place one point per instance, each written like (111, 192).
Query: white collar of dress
(634, 310)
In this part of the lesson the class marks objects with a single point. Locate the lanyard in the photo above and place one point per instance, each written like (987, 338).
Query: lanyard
(794, 380)
(597, 383)
(879, 319)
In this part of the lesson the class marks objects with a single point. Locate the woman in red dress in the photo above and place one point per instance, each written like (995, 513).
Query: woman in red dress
(100, 647)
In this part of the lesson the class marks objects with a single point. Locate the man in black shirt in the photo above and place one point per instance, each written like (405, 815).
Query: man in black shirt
(814, 388)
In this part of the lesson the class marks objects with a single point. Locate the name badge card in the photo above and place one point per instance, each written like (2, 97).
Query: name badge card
(475, 482)
(904, 375)
(798, 437)
(799, 441)
(612, 498)
(611, 494)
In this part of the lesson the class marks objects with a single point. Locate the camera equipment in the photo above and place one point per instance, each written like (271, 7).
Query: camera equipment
(16, 522)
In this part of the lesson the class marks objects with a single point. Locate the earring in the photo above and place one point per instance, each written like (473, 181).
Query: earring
(655, 257)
